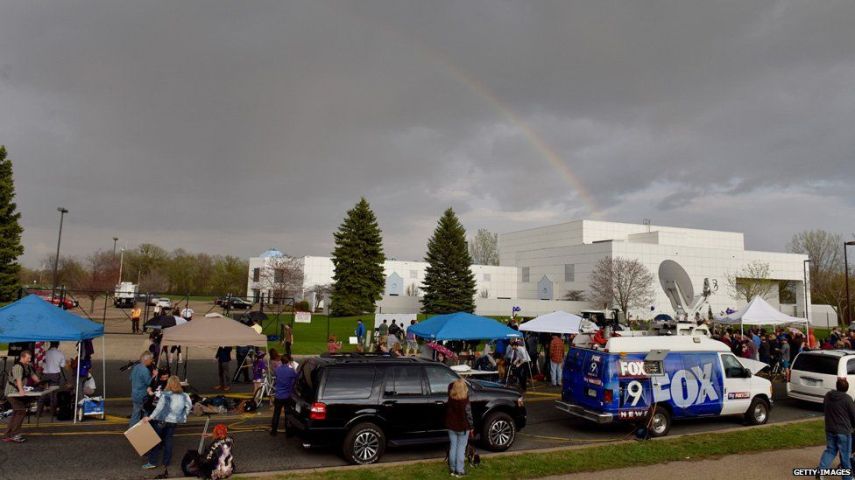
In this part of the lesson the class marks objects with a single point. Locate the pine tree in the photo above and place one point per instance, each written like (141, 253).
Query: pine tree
(10, 231)
(449, 284)
(358, 258)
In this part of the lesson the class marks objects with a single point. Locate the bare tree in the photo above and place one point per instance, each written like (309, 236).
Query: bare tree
(282, 277)
(412, 290)
(753, 280)
(574, 296)
(484, 248)
(101, 275)
(824, 249)
(625, 282)
(827, 271)
(322, 292)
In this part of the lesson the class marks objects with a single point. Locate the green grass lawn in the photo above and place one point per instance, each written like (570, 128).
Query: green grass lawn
(311, 338)
(604, 457)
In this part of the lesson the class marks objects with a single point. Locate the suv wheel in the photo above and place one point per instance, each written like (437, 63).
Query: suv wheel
(758, 412)
(498, 432)
(364, 444)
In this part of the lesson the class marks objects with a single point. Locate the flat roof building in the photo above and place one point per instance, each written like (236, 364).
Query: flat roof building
(539, 267)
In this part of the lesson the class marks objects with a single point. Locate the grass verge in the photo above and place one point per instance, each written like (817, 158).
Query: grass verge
(604, 457)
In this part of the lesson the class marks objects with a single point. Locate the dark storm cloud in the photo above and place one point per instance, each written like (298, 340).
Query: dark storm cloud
(234, 126)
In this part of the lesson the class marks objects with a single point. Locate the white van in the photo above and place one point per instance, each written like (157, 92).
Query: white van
(664, 377)
(815, 372)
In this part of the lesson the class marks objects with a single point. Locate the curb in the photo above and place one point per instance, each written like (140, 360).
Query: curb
(503, 454)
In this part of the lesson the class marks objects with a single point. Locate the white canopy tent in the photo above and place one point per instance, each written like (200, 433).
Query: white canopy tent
(555, 322)
(213, 330)
(759, 312)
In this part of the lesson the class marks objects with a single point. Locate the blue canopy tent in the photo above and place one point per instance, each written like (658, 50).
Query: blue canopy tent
(463, 326)
(32, 319)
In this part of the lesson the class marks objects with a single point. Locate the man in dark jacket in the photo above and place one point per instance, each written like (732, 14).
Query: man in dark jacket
(839, 420)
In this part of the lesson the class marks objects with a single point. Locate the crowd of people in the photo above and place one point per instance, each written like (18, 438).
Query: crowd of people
(776, 348)
(158, 398)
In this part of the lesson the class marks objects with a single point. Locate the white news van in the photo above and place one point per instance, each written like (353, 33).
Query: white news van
(634, 378)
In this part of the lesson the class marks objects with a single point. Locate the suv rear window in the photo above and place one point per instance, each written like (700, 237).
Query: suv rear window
(351, 382)
(823, 364)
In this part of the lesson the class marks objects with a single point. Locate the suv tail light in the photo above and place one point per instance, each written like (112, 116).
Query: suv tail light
(608, 396)
(318, 411)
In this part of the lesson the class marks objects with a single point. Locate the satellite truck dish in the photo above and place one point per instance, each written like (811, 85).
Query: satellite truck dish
(676, 284)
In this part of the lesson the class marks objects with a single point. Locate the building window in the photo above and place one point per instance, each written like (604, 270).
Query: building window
(525, 274)
(569, 272)
(486, 277)
(256, 274)
(279, 275)
(414, 274)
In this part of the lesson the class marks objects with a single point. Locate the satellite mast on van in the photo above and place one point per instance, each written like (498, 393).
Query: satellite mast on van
(678, 287)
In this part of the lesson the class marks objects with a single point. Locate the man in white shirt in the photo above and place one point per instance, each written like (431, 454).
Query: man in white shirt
(187, 313)
(53, 364)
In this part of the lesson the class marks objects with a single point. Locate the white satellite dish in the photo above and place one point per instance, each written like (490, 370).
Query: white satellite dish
(677, 285)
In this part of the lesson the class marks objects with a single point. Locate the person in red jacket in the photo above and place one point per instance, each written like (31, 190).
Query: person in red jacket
(556, 358)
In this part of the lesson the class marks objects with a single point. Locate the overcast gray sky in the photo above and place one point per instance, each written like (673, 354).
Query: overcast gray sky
(231, 127)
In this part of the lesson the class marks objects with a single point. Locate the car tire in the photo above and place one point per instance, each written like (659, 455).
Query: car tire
(498, 432)
(660, 423)
(758, 412)
(364, 444)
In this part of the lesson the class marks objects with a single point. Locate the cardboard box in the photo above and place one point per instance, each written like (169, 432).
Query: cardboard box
(142, 437)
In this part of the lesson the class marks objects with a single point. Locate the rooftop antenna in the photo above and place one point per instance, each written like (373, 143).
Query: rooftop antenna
(647, 222)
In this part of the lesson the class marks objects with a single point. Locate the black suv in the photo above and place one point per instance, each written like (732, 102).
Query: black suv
(364, 402)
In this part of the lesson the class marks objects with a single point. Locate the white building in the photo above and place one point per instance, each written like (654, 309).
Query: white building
(403, 278)
(539, 266)
(556, 259)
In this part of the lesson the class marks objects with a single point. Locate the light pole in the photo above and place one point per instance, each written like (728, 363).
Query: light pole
(115, 241)
(846, 265)
(62, 211)
(805, 284)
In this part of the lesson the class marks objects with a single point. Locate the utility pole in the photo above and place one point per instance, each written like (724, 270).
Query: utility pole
(62, 211)
(115, 241)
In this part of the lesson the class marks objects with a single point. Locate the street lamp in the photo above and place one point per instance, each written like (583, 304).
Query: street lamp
(846, 263)
(805, 284)
(115, 241)
(62, 211)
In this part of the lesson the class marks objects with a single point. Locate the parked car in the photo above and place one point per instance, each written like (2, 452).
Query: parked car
(815, 372)
(151, 299)
(362, 403)
(234, 303)
(66, 303)
(163, 303)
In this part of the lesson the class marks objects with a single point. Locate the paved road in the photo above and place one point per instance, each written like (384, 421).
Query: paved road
(97, 449)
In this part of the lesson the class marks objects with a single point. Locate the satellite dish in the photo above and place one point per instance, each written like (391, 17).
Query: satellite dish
(677, 285)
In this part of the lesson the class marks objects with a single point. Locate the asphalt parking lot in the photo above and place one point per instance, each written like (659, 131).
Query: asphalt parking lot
(97, 449)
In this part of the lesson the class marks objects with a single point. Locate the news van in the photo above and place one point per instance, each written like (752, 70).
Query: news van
(658, 379)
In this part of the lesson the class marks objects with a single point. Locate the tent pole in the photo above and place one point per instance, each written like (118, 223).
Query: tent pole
(104, 373)
(77, 384)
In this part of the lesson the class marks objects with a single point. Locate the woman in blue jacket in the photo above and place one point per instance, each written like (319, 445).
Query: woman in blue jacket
(172, 409)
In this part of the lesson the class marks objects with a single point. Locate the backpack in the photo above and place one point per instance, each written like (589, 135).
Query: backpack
(64, 406)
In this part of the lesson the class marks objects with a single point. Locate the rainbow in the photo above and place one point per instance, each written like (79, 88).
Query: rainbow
(534, 139)
(537, 142)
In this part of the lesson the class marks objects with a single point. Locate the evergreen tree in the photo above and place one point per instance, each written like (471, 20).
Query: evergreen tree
(10, 231)
(358, 258)
(449, 284)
